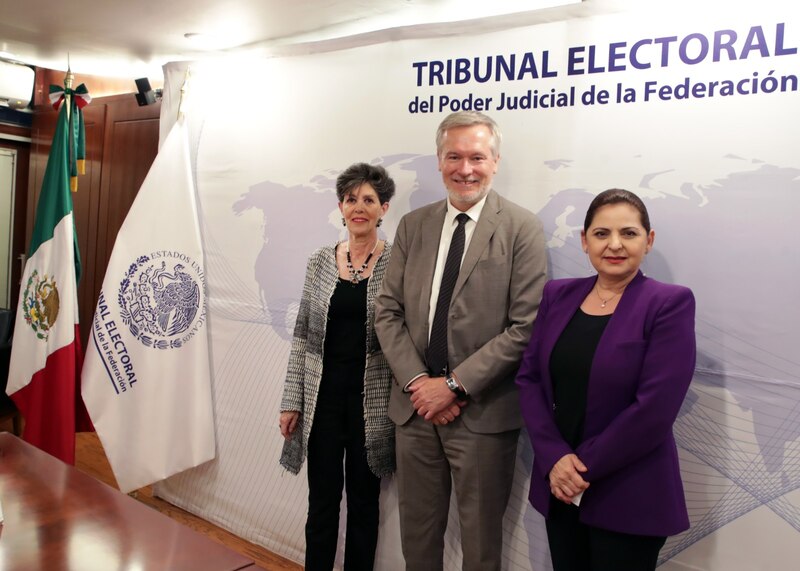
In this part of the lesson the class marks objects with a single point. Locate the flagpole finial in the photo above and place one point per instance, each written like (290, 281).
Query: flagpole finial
(70, 77)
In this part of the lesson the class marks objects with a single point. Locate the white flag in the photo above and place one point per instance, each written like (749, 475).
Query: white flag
(146, 380)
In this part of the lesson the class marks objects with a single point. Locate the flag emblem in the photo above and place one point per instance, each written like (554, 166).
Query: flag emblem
(161, 299)
(40, 303)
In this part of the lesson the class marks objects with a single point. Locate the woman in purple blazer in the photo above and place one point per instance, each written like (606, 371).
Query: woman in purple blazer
(601, 383)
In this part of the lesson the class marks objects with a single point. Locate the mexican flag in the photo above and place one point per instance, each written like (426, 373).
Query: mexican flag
(46, 356)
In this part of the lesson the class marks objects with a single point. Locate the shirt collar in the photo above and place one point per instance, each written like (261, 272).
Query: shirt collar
(474, 212)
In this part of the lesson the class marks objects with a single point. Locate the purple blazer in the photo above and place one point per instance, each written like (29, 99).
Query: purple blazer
(639, 377)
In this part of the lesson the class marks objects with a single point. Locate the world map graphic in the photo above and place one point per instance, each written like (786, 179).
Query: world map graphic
(731, 240)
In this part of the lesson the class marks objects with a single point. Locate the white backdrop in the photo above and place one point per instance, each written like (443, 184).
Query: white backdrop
(719, 172)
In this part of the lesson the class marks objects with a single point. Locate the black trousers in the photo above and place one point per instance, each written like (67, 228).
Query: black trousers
(578, 547)
(337, 459)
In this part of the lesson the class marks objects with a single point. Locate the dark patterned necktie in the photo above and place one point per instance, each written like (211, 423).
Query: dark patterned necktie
(436, 355)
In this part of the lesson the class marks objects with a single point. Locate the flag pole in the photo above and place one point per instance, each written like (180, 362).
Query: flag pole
(68, 81)
(184, 90)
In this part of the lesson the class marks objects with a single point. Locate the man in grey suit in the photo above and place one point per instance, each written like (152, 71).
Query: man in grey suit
(453, 399)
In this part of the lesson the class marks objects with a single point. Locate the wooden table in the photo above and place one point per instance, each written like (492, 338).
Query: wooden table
(58, 518)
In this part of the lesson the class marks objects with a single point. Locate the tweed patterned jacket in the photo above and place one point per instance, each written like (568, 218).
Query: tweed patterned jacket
(304, 372)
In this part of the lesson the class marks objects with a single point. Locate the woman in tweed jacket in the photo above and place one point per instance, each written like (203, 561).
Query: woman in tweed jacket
(336, 393)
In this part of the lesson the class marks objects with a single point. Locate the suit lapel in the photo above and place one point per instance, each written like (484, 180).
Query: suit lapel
(484, 230)
(430, 235)
(619, 325)
(561, 312)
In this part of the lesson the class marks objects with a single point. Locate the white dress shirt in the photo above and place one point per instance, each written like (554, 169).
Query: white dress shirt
(448, 228)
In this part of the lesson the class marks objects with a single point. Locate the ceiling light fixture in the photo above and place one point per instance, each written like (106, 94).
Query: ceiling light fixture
(206, 42)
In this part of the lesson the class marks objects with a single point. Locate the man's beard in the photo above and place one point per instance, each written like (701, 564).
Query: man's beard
(469, 199)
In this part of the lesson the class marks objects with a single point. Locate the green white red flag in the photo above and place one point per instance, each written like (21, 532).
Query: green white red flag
(46, 356)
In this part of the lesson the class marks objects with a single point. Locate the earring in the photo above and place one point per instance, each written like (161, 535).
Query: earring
(380, 221)
(344, 222)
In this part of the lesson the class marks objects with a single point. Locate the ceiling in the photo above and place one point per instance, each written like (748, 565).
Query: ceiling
(135, 38)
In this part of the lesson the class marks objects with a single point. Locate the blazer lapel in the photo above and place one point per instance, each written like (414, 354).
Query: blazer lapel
(560, 314)
(430, 235)
(618, 326)
(484, 230)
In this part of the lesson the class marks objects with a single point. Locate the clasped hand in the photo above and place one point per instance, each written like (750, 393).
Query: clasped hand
(434, 401)
(566, 481)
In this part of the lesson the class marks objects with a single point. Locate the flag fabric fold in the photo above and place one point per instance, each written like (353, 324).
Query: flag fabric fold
(146, 379)
(46, 355)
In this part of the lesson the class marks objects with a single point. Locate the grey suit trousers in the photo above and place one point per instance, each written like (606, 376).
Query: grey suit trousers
(482, 468)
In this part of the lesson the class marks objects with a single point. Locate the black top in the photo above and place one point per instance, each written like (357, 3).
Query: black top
(344, 357)
(570, 365)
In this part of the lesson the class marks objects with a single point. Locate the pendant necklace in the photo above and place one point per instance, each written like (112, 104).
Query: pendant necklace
(603, 302)
(356, 275)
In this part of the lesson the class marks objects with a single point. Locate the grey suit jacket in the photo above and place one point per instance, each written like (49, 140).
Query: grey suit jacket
(491, 314)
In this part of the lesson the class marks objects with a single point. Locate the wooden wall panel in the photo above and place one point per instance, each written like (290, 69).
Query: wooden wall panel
(85, 206)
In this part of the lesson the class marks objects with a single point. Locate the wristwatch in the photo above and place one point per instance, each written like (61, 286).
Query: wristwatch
(452, 384)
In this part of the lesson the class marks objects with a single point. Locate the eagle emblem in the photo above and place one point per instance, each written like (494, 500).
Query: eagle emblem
(160, 302)
(40, 304)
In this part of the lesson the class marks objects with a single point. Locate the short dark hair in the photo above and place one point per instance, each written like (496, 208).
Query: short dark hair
(616, 196)
(362, 173)
(468, 119)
